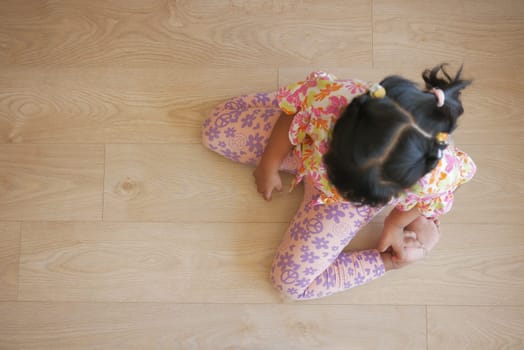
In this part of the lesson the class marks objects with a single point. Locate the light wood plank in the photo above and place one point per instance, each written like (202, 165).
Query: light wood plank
(184, 33)
(492, 104)
(159, 105)
(196, 263)
(230, 263)
(471, 328)
(481, 33)
(74, 326)
(495, 193)
(117, 105)
(186, 183)
(9, 256)
(51, 182)
(131, 105)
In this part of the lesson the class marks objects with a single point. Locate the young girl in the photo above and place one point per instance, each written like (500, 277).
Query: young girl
(357, 147)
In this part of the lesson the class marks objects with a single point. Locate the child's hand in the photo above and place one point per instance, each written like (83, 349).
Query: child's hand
(403, 245)
(409, 244)
(412, 250)
(267, 180)
(408, 250)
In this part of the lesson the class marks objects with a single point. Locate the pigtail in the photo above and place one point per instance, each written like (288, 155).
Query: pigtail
(432, 79)
(439, 78)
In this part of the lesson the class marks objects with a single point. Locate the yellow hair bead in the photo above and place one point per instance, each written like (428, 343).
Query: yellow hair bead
(442, 138)
(377, 91)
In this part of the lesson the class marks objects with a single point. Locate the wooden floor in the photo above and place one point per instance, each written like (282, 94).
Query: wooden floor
(119, 230)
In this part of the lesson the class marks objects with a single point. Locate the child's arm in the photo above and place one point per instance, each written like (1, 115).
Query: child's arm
(279, 146)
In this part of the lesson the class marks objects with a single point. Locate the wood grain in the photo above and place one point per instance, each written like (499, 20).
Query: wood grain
(480, 33)
(493, 105)
(186, 183)
(117, 105)
(9, 258)
(212, 326)
(195, 263)
(154, 106)
(229, 263)
(183, 33)
(468, 328)
(494, 195)
(51, 182)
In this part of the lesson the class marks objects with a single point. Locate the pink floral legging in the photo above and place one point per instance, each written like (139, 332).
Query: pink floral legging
(310, 262)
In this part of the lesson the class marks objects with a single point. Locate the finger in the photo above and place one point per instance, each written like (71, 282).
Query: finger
(267, 195)
(397, 262)
(261, 191)
(406, 259)
(410, 234)
(384, 243)
(399, 251)
(411, 243)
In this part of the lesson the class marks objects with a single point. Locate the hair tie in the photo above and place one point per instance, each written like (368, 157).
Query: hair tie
(377, 91)
(439, 94)
(442, 140)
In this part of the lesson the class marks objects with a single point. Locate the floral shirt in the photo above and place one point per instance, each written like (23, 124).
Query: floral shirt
(317, 103)
(433, 194)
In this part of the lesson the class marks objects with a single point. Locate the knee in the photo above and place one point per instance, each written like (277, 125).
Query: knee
(277, 280)
(215, 125)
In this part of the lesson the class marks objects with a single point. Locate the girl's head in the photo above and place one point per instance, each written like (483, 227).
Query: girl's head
(381, 146)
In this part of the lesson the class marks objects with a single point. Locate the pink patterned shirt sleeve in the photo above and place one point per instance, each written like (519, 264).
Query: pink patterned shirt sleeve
(433, 194)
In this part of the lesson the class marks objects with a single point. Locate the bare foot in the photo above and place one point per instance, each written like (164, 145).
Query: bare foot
(409, 251)
(426, 231)
(414, 243)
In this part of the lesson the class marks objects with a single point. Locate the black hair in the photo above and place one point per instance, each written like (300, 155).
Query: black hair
(381, 146)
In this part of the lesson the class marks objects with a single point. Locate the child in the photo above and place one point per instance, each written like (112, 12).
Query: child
(357, 146)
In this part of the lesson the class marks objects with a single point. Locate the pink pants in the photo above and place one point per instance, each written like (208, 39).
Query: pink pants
(310, 262)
